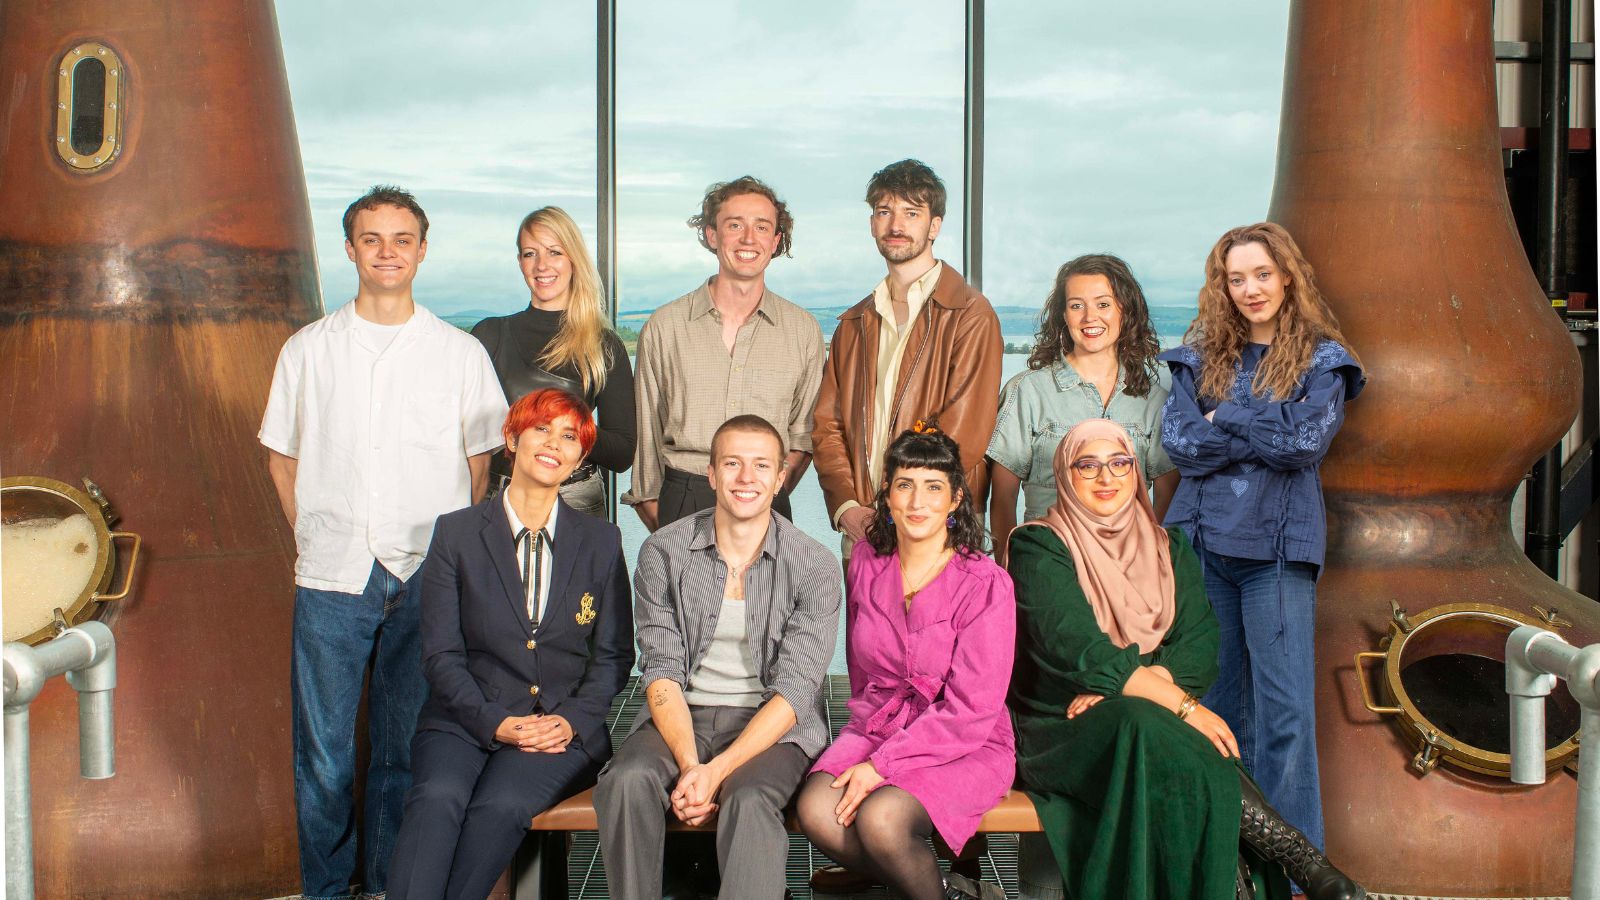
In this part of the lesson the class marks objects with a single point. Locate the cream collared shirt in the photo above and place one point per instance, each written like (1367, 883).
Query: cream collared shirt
(892, 340)
(538, 595)
(382, 425)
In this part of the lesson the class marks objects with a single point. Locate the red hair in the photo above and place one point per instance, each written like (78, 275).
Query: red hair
(544, 406)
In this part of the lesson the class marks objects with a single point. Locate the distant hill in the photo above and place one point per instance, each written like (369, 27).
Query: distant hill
(465, 319)
(1017, 323)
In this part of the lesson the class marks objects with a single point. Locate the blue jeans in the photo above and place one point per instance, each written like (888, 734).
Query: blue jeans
(1266, 677)
(335, 636)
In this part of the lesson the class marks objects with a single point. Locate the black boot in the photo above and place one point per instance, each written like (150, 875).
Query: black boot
(960, 887)
(1277, 841)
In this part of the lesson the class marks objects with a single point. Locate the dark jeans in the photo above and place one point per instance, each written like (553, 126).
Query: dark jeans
(468, 809)
(1265, 687)
(683, 494)
(335, 634)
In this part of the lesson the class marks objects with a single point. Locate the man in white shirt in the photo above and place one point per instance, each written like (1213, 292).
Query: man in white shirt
(381, 418)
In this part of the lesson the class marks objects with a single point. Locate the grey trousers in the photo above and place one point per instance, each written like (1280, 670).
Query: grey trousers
(632, 802)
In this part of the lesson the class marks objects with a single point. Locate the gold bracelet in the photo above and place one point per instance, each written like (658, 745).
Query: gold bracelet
(1190, 701)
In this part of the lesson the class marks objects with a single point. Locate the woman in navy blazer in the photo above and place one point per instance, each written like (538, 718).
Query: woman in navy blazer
(521, 672)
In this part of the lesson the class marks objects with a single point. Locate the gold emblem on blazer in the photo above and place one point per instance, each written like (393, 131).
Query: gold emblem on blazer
(585, 609)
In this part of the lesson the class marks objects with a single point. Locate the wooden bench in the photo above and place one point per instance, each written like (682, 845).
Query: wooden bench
(540, 869)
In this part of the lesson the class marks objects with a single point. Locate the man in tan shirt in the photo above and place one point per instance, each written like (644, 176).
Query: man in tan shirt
(730, 347)
(923, 345)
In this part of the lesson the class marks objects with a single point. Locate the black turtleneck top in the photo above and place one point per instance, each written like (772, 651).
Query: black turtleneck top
(515, 344)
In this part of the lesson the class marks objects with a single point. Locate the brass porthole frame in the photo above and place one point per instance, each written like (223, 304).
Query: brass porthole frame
(1432, 743)
(111, 140)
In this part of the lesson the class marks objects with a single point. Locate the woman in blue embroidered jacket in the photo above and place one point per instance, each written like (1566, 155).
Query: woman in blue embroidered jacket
(1258, 392)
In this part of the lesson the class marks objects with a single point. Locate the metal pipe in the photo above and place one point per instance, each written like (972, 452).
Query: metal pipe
(1544, 536)
(1585, 840)
(89, 649)
(1534, 659)
(972, 190)
(97, 749)
(1555, 60)
(1527, 686)
(19, 802)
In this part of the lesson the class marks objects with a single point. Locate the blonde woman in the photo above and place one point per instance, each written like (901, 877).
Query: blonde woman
(563, 340)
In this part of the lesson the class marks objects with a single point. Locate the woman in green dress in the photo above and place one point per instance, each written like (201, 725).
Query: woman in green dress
(1137, 785)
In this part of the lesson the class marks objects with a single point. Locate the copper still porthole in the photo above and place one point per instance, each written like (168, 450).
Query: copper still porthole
(1444, 681)
(60, 556)
(89, 107)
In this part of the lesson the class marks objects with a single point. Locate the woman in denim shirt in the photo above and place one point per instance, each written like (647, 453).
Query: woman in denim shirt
(1094, 358)
(1258, 392)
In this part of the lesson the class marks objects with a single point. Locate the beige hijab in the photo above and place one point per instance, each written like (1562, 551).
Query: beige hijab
(1124, 560)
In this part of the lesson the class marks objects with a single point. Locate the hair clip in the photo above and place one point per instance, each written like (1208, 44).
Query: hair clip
(921, 427)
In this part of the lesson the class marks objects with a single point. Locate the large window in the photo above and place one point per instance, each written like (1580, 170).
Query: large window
(1142, 129)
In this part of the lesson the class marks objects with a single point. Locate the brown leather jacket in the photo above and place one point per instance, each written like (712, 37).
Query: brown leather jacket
(950, 372)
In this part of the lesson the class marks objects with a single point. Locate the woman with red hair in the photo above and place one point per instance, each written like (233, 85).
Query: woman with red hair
(527, 636)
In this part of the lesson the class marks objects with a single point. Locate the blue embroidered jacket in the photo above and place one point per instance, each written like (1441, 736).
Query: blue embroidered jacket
(1251, 487)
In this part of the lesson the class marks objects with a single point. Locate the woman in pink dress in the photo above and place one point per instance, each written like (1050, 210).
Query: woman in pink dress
(932, 630)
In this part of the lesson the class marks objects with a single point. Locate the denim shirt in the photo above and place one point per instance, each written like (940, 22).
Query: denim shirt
(1038, 408)
(1251, 487)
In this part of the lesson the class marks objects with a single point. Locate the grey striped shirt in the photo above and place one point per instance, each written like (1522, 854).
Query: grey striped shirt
(792, 594)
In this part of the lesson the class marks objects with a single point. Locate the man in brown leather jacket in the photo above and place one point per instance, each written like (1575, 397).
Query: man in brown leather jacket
(923, 345)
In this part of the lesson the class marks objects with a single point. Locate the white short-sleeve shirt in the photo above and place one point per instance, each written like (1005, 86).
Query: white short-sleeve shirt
(382, 435)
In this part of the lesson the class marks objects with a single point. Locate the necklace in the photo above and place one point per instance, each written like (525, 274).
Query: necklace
(928, 575)
(735, 590)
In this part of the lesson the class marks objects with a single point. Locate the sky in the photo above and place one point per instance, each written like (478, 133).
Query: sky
(1142, 129)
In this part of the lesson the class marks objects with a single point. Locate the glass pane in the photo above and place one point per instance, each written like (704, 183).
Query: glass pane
(88, 105)
(1144, 130)
(484, 111)
(811, 98)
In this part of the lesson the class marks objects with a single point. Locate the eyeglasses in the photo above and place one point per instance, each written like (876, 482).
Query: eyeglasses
(1089, 469)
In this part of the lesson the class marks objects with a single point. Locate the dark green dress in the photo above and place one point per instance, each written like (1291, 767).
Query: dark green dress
(1135, 802)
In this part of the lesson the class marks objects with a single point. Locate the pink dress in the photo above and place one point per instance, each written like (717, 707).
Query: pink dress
(928, 688)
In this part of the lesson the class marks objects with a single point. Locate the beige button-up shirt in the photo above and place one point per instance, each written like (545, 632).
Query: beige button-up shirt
(688, 383)
(891, 347)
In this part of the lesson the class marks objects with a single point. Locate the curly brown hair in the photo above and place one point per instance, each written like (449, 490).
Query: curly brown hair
(1220, 332)
(1137, 345)
(723, 191)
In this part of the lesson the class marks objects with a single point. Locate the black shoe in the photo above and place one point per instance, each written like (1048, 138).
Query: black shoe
(1279, 842)
(959, 887)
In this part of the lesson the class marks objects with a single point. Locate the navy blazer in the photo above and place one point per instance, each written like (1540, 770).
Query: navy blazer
(484, 661)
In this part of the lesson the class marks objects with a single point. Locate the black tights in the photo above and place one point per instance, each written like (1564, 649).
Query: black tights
(888, 839)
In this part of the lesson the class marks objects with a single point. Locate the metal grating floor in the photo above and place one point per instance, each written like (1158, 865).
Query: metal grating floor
(587, 870)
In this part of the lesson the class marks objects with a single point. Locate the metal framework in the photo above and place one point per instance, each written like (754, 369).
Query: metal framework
(605, 169)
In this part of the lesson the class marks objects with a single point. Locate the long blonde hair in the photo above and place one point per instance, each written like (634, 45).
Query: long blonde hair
(1220, 332)
(580, 341)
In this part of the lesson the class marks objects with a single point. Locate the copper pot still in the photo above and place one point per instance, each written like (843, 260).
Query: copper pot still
(155, 253)
(1389, 177)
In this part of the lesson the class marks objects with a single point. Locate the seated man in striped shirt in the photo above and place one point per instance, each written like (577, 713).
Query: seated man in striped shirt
(735, 611)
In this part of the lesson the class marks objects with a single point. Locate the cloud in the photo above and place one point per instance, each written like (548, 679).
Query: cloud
(1145, 129)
